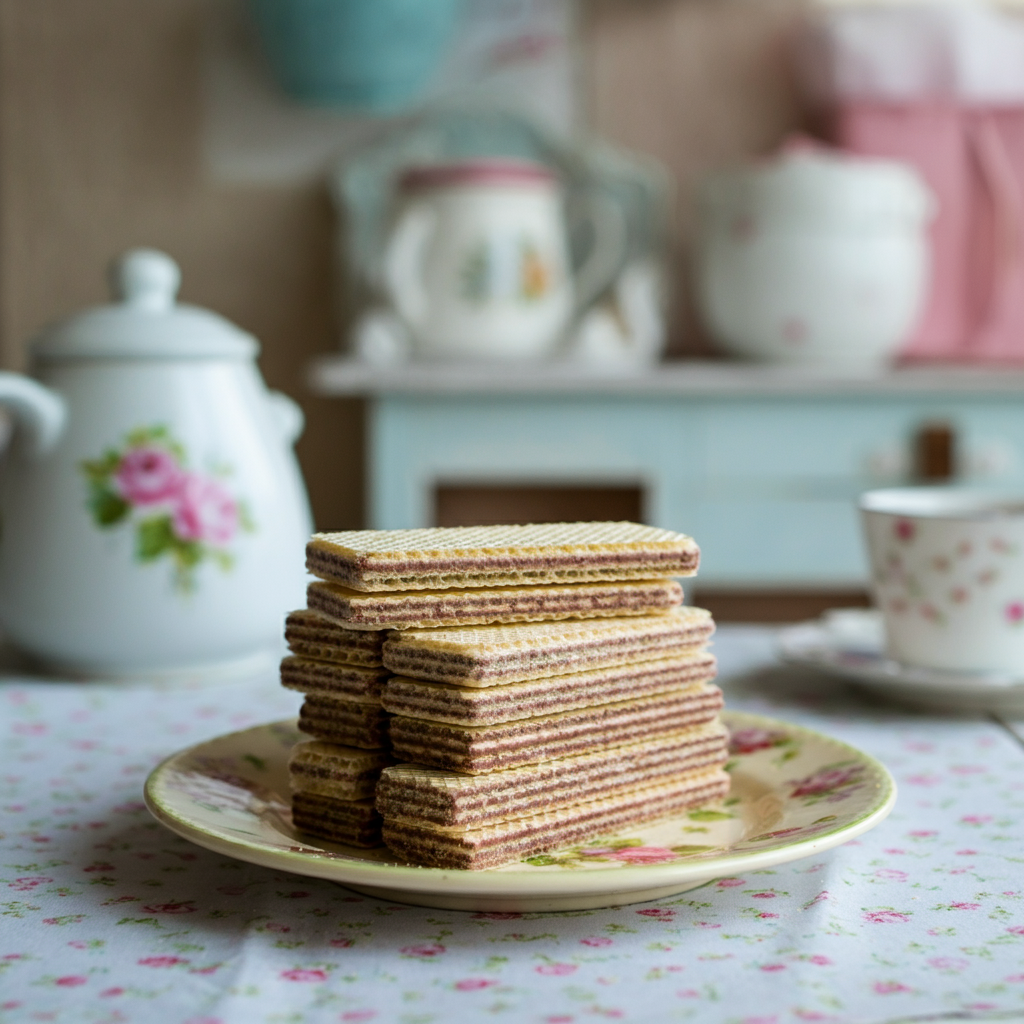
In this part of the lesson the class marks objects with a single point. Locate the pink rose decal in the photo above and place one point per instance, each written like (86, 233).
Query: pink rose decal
(834, 782)
(644, 855)
(748, 741)
(205, 512)
(178, 514)
(1015, 613)
(148, 475)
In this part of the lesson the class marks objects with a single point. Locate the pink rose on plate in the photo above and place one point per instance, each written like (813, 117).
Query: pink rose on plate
(205, 511)
(148, 475)
(747, 741)
(644, 855)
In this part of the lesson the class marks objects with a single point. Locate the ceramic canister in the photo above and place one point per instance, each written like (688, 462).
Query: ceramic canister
(477, 264)
(813, 257)
(947, 570)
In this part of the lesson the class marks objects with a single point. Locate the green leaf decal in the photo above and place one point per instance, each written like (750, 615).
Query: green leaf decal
(709, 815)
(107, 507)
(153, 538)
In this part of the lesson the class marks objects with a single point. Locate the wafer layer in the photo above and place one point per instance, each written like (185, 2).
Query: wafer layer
(446, 799)
(343, 773)
(488, 705)
(429, 608)
(510, 840)
(487, 655)
(352, 822)
(347, 722)
(468, 748)
(480, 556)
(313, 635)
(353, 682)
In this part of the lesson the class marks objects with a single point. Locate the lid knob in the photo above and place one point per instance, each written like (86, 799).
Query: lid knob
(145, 279)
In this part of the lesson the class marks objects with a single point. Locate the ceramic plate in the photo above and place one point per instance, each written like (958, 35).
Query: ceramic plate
(848, 644)
(794, 793)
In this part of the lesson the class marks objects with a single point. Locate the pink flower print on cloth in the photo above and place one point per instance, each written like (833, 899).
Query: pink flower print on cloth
(178, 514)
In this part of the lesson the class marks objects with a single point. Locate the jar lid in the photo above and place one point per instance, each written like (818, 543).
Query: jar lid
(491, 171)
(145, 322)
(808, 185)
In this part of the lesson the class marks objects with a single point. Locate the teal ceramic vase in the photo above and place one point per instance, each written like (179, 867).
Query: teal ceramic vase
(375, 55)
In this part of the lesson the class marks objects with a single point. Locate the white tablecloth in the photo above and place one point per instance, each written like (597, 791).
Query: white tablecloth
(107, 917)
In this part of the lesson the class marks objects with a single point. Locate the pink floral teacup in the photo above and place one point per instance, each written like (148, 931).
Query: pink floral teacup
(947, 569)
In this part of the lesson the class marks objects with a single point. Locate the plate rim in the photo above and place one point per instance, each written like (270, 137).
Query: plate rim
(594, 881)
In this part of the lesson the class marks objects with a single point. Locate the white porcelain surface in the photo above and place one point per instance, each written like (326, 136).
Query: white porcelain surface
(154, 516)
(795, 793)
(850, 644)
(813, 259)
(947, 569)
(480, 270)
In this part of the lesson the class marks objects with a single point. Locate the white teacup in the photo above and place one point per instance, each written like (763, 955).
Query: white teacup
(947, 571)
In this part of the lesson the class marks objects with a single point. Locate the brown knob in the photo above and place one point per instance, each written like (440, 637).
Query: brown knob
(935, 452)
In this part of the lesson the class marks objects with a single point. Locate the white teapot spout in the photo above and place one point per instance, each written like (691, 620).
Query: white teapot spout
(39, 412)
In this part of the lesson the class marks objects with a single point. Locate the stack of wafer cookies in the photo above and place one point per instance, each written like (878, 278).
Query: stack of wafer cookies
(541, 685)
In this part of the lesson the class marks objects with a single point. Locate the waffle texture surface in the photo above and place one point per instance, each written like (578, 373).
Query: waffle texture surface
(424, 609)
(489, 655)
(477, 556)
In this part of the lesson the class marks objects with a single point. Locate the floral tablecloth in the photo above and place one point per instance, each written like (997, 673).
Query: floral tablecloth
(107, 917)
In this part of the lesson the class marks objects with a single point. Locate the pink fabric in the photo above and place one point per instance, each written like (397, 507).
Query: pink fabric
(973, 159)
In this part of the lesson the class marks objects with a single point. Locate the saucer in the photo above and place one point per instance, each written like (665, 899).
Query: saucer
(794, 793)
(849, 643)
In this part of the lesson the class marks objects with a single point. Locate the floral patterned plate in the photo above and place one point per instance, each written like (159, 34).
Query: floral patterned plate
(794, 793)
(848, 643)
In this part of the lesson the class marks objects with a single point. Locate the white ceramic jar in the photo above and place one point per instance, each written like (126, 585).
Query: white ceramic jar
(154, 516)
(477, 263)
(813, 258)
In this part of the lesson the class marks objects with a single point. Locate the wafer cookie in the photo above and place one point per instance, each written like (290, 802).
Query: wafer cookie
(445, 799)
(488, 705)
(479, 556)
(424, 609)
(348, 722)
(343, 773)
(313, 635)
(516, 838)
(488, 655)
(485, 748)
(354, 682)
(351, 822)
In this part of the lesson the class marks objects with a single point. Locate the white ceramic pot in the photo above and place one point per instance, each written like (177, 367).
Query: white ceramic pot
(154, 516)
(477, 262)
(947, 570)
(813, 258)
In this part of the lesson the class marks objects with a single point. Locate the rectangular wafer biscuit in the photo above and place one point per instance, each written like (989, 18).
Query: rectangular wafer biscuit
(485, 748)
(329, 769)
(447, 799)
(312, 635)
(488, 655)
(488, 705)
(351, 822)
(479, 556)
(348, 722)
(517, 838)
(353, 682)
(425, 609)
